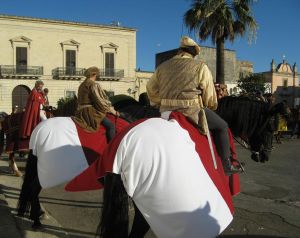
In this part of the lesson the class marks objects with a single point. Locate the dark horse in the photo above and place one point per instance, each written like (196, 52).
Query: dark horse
(251, 120)
(246, 117)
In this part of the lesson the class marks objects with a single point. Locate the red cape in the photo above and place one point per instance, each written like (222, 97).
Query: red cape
(32, 113)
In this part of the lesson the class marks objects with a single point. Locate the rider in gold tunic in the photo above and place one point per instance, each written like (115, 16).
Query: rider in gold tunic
(186, 85)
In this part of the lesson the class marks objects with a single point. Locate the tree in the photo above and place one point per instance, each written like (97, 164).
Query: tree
(221, 20)
(252, 83)
(66, 107)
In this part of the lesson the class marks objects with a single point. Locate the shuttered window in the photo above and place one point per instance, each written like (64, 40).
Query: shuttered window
(109, 64)
(70, 62)
(21, 60)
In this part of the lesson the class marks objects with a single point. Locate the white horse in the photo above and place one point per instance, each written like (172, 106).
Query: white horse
(166, 167)
(59, 150)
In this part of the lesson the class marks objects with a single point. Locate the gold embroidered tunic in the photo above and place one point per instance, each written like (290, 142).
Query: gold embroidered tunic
(185, 85)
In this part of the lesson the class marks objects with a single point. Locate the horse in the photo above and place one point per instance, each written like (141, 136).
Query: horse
(59, 150)
(250, 119)
(132, 167)
(158, 163)
(14, 144)
(247, 118)
(32, 183)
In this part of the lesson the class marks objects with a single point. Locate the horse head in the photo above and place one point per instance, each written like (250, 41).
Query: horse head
(261, 140)
(247, 118)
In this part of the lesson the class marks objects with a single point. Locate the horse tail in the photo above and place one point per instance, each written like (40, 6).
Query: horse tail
(26, 191)
(114, 220)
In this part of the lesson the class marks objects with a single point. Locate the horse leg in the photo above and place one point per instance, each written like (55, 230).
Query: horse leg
(13, 166)
(36, 210)
(26, 190)
(140, 226)
(114, 218)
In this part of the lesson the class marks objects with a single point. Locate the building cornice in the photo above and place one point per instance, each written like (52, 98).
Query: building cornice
(61, 22)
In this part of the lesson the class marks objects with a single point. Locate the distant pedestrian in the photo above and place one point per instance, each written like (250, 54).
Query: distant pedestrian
(296, 129)
(46, 91)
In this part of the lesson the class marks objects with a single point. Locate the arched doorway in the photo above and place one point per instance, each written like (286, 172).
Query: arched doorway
(19, 96)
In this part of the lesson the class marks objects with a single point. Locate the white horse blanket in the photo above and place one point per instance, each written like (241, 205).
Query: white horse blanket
(167, 169)
(64, 149)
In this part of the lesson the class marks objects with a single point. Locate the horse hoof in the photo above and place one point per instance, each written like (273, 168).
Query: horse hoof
(20, 214)
(37, 226)
(255, 157)
(18, 173)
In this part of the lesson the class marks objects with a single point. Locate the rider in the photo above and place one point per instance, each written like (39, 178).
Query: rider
(93, 105)
(33, 112)
(186, 85)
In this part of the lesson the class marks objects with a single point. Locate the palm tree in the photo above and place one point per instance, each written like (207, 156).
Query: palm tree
(222, 20)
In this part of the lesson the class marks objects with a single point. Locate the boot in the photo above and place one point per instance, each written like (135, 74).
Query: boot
(230, 169)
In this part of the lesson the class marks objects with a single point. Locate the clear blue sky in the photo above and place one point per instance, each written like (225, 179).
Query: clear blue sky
(160, 25)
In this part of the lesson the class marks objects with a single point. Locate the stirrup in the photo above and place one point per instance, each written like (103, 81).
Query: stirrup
(240, 164)
(233, 170)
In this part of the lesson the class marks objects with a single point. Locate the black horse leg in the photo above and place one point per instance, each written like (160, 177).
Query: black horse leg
(140, 226)
(36, 211)
(26, 191)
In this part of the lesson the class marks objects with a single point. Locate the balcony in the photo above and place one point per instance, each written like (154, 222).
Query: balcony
(68, 73)
(111, 74)
(71, 73)
(21, 72)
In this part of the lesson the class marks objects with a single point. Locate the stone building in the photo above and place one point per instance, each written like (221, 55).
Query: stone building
(234, 68)
(284, 80)
(57, 52)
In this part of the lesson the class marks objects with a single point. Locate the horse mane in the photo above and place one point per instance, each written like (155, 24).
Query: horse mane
(244, 115)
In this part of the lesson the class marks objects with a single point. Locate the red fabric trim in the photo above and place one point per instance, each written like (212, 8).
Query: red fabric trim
(202, 148)
(93, 144)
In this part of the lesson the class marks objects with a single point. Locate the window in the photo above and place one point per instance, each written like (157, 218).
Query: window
(109, 64)
(285, 83)
(70, 62)
(70, 94)
(21, 60)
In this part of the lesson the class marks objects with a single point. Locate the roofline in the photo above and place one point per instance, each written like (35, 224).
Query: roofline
(144, 71)
(203, 46)
(44, 20)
